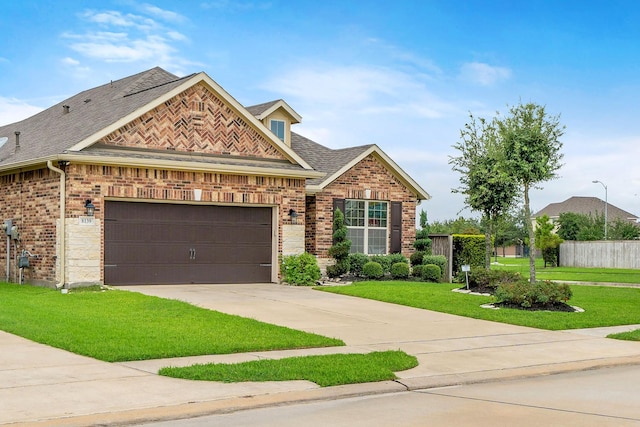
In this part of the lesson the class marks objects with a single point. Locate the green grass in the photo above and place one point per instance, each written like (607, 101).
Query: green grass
(604, 306)
(118, 325)
(629, 336)
(327, 370)
(573, 274)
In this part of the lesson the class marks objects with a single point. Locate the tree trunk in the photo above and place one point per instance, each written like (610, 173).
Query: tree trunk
(532, 237)
(487, 244)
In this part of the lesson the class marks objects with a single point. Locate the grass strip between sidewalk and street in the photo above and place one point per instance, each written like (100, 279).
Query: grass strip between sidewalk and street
(327, 370)
(604, 306)
(115, 325)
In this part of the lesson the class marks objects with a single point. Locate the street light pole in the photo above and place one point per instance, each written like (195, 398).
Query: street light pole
(605, 206)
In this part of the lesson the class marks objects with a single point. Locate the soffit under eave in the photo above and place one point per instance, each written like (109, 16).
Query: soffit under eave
(200, 78)
(386, 161)
(41, 163)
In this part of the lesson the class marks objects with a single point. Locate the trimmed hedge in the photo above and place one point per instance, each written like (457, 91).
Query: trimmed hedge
(400, 270)
(356, 262)
(468, 249)
(431, 273)
(372, 270)
(439, 260)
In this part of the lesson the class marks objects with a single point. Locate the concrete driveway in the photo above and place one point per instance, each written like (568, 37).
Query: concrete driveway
(449, 348)
(46, 386)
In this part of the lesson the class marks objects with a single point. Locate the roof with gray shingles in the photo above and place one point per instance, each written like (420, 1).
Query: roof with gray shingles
(256, 110)
(585, 206)
(324, 159)
(53, 131)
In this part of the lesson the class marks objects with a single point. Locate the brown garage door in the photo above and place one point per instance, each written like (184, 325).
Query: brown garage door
(151, 243)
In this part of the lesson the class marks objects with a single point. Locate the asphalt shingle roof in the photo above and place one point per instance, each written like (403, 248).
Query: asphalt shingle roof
(324, 159)
(586, 206)
(53, 131)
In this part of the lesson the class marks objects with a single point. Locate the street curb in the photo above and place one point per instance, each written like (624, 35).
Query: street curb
(241, 403)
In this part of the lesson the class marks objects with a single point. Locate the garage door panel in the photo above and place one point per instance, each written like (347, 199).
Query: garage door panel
(162, 243)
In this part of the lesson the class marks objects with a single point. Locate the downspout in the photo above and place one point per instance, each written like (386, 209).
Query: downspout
(63, 191)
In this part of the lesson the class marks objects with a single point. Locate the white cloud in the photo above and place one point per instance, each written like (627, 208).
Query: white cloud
(483, 74)
(236, 6)
(163, 14)
(117, 47)
(126, 37)
(13, 110)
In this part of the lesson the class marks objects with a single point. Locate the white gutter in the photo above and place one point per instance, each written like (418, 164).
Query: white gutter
(63, 192)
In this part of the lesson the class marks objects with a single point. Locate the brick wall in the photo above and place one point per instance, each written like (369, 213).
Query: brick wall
(368, 174)
(31, 200)
(122, 183)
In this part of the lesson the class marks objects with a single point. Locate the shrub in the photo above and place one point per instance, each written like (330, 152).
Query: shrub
(416, 270)
(372, 270)
(400, 270)
(431, 273)
(356, 262)
(416, 258)
(481, 278)
(527, 295)
(396, 258)
(439, 260)
(338, 269)
(384, 261)
(300, 269)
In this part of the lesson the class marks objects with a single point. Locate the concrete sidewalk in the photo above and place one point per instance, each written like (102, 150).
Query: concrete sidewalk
(40, 385)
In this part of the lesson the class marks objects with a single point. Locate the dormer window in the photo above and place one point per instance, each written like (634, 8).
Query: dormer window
(277, 127)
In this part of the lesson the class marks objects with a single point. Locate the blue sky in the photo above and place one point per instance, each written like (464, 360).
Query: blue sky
(403, 75)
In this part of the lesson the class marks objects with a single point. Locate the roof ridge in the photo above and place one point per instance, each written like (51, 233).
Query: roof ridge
(159, 85)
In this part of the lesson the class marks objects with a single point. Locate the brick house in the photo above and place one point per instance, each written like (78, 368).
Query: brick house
(187, 186)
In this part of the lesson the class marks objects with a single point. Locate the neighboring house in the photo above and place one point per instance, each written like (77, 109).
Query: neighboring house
(586, 206)
(188, 186)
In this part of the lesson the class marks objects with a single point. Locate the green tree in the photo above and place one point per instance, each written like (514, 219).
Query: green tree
(532, 154)
(341, 246)
(570, 224)
(423, 242)
(620, 229)
(460, 225)
(573, 226)
(547, 241)
(487, 187)
(509, 230)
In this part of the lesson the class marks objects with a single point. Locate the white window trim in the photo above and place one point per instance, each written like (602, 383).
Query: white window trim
(367, 227)
(284, 128)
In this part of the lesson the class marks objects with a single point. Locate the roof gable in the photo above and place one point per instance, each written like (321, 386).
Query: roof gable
(262, 111)
(334, 163)
(196, 120)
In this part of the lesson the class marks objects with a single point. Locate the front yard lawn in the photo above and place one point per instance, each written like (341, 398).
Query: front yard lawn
(604, 306)
(573, 274)
(118, 325)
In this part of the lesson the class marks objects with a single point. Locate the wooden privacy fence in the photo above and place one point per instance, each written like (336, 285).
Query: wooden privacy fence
(442, 244)
(601, 253)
